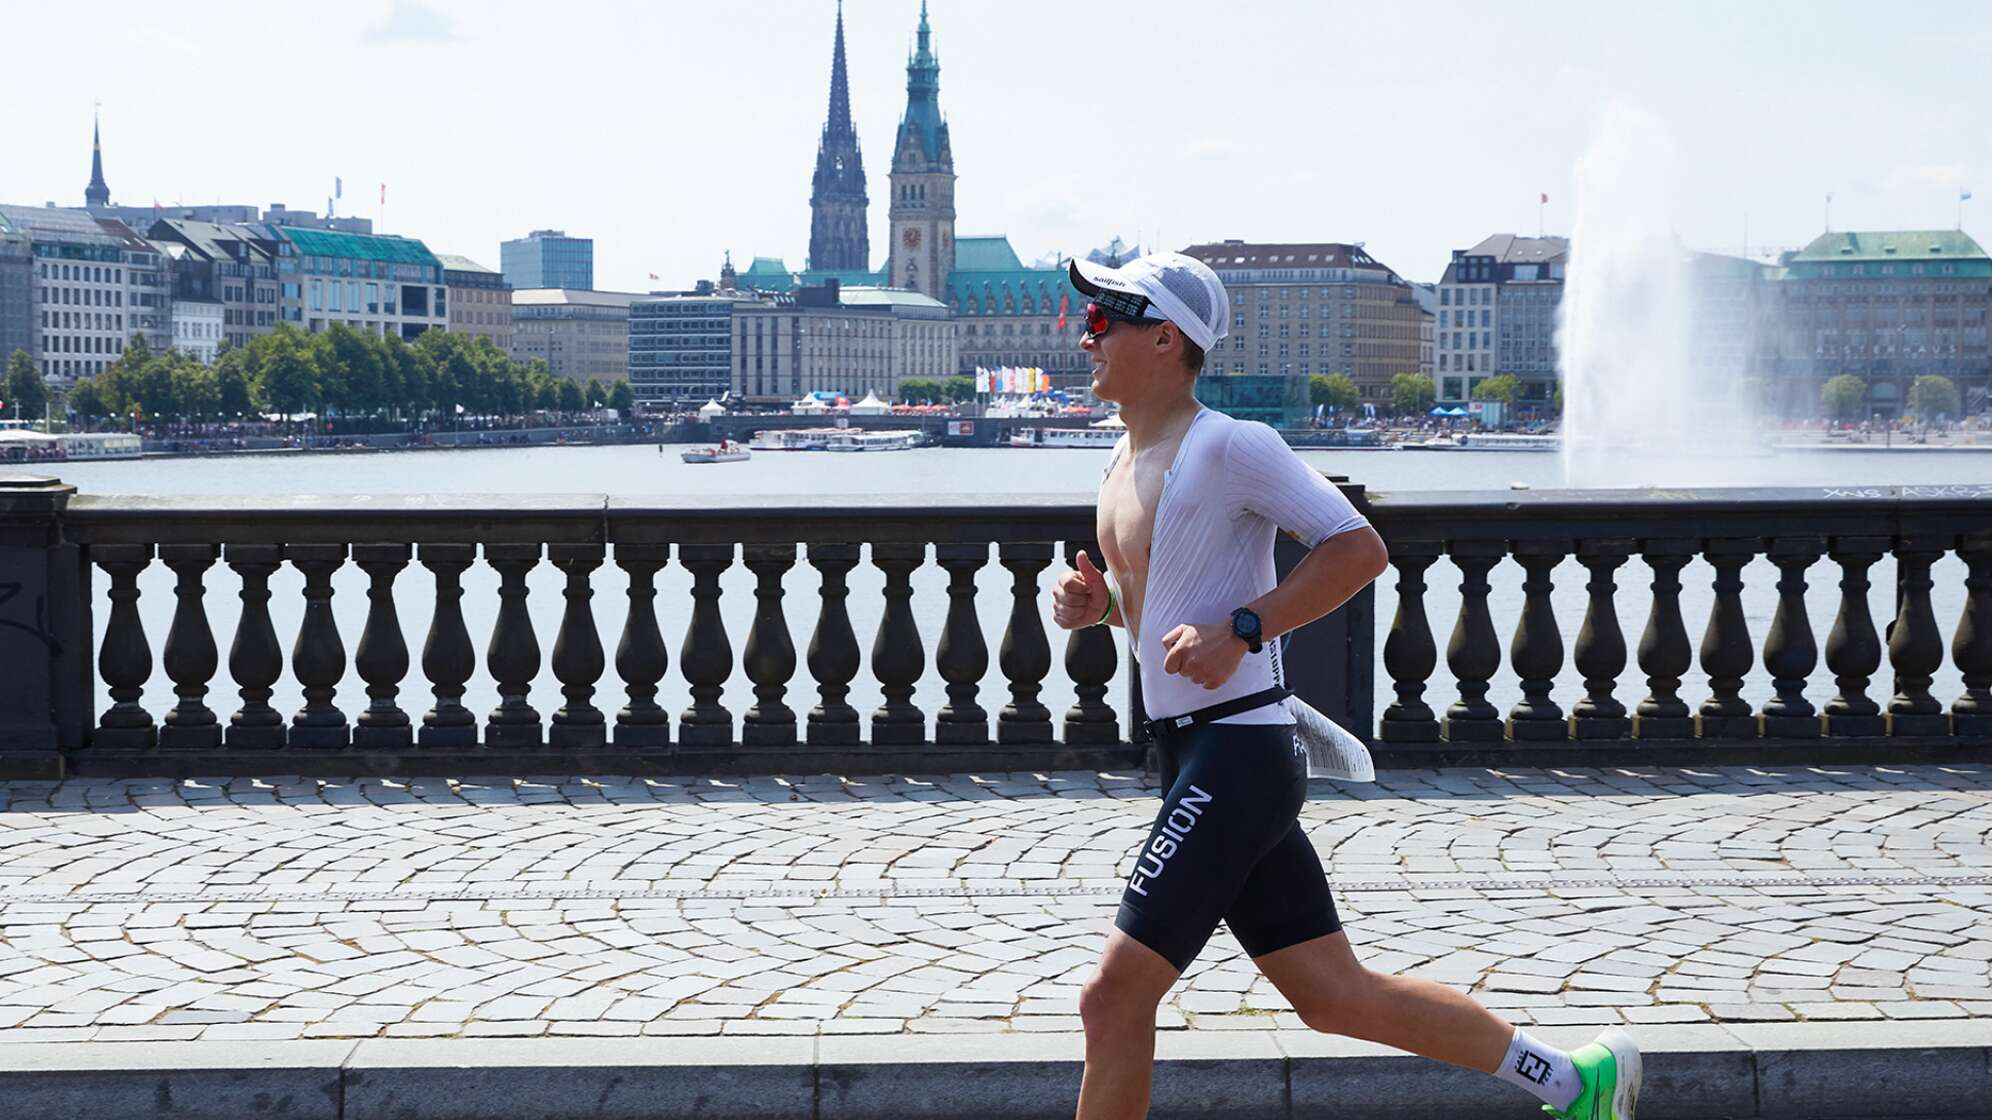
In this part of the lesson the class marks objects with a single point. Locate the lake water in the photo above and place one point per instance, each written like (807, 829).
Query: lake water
(915, 474)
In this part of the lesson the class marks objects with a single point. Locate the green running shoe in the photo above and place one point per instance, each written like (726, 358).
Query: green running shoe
(1610, 1070)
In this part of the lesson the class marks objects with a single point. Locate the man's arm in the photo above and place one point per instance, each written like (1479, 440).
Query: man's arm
(1329, 575)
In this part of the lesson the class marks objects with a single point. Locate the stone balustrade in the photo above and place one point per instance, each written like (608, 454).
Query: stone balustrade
(56, 547)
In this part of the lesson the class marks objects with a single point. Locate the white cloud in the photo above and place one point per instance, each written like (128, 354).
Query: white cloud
(411, 21)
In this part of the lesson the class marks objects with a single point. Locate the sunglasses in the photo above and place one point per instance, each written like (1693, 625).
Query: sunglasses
(1099, 318)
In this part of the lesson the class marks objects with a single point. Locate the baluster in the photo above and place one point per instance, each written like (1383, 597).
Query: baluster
(382, 655)
(641, 657)
(1790, 653)
(897, 657)
(963, 655)
(190, 658)
(125, 659)
(1537, 654)
(1915, 644)
(1853, 649)
(577, 652)
(318, 657)
(256, 658)
(1025, 655)
(770, 653)
(1090, 658)
(1410, 653)
(513, 655)
(833, 649)
(448, 658)
(1664, 652)
(706, 658)
(1726, 652)
(1971, 649)
(1474, 652)
(1600, 652)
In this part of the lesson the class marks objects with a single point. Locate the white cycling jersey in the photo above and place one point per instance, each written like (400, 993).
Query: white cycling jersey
(1233, 486)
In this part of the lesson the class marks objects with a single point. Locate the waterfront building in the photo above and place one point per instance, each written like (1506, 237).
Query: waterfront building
(681, 346)
(148, 277)
(17, 296)
(197, 328)
(480, 301)
(79, 288)
(1428, 303)
(1300, 310)
(1887, 307)
(837, 199)
(233, 265)
(581, 335)
(548, 258)
(375, 283)
(851, 341)
(1497, 314)
(1009, 313)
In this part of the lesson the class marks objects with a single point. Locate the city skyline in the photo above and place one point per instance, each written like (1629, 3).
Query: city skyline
(1454, 120)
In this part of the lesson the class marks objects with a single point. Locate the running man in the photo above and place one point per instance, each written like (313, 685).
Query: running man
(1188, 510)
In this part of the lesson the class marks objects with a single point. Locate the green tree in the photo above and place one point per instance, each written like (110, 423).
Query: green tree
(919, 390)
(596, 394)
(1501, 387)
(1844, 397)
(26, 397)
(572, 398)
(231, 380)
(1411, 394)
(87, 401)
(1335, 390)
(623, 399)
(1933, 397)
(960, 389)
(286, 370)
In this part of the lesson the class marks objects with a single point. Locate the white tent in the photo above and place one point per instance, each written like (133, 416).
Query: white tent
(808, 406)
(712, 408)
(871, 406)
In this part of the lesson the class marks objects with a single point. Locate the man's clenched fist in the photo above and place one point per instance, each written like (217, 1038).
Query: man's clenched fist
(1080, 597)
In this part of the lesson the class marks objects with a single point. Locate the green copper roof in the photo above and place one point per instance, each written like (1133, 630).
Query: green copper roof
(1898, 245)
(358, 246)
(985, 254)
(1916, 252)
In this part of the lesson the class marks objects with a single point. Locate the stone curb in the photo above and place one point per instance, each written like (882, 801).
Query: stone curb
(1736, 1070)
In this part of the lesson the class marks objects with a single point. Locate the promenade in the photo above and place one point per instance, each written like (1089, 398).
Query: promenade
(701, 913)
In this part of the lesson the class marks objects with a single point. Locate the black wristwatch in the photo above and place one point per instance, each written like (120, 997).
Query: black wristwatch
(1245, 624)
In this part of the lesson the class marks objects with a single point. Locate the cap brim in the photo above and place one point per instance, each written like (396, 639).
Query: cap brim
(1092, 278)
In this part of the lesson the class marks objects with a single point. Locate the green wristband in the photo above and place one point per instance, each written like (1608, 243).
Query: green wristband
(1110, 608)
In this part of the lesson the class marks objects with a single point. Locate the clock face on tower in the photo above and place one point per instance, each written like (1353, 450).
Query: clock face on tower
(911, 237)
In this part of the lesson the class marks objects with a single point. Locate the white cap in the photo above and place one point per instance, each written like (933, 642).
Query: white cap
(1171, 286)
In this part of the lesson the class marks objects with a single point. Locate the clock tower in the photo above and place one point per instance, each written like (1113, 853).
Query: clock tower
(923, 210)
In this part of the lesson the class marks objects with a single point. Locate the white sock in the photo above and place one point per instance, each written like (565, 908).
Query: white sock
(1543, 1070)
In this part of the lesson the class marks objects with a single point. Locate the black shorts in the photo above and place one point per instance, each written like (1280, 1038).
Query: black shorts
(1227, 845)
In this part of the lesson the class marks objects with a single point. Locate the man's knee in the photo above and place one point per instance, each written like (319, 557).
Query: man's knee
(1109, 998)
(1342, 1008)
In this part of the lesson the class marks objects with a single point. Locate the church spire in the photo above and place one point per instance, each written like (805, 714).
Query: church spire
(97, 193)
(837, 201)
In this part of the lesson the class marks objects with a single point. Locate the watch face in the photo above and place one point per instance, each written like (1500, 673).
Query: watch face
(911, 237)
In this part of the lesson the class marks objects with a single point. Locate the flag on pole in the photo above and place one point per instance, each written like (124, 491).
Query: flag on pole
(338, 187)
(653, 276)
(1064, 305)
(383, 194)
(1964, 196)
(1545, 200)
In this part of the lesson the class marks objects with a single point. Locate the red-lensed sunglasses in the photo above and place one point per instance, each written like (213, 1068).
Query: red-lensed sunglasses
(1098, 319)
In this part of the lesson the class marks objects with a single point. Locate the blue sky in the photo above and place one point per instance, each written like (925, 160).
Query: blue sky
(672, 132)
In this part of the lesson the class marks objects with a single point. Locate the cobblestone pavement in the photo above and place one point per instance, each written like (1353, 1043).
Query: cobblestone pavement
(277, 909)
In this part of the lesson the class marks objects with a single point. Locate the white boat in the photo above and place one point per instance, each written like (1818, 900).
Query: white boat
(1504, 441)
(1080, 437)
(794, 439)
(727, 452)
(1436, 443)
(853, 439)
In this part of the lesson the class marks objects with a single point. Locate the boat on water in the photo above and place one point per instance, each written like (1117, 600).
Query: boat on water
(1067, 437)
(836, 439)
(727, 452)
(852, 439)
(19, 444)
(1485, 441)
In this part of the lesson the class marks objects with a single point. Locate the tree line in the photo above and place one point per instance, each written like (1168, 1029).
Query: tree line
(342, 371)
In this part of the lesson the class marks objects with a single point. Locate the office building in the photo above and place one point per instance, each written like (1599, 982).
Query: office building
(479, 299)
(581, 335)
(548, 258)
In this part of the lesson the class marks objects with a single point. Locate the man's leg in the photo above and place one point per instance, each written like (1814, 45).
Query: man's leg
(1332, 992)
(1117, 1007)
